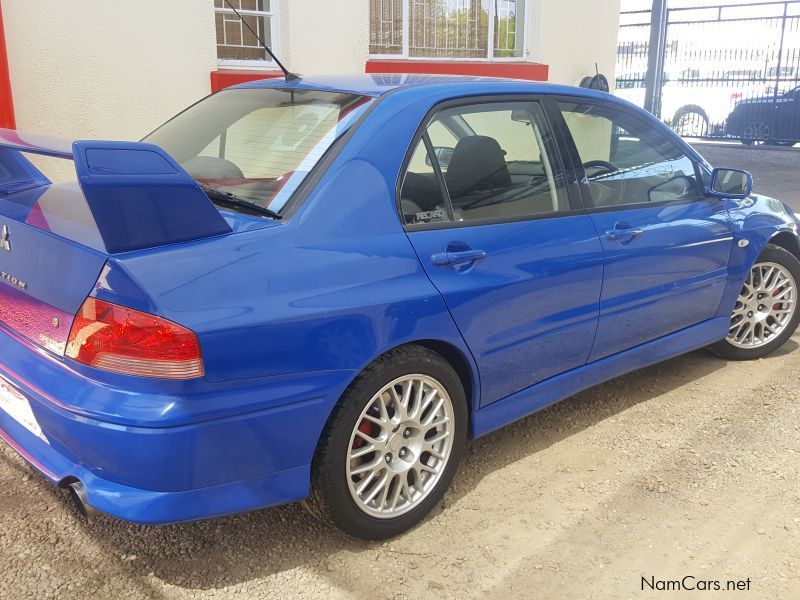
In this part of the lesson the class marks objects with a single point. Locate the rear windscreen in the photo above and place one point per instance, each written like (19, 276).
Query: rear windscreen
(257, 144)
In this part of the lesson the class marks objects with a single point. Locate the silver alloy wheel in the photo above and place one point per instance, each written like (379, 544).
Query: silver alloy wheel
(765, 306)
(756, 132)
(400, 446)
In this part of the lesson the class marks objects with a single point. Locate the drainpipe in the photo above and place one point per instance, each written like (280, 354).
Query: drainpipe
(6, 99)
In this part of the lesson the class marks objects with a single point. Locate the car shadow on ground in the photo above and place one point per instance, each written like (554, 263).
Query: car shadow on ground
(226, 551)
(583, 410)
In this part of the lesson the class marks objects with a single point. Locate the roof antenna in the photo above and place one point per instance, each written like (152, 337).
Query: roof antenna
(287, 74)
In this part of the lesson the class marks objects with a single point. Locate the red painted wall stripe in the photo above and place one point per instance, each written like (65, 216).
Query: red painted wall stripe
(516, 70)
(6, 99)
(223, 78)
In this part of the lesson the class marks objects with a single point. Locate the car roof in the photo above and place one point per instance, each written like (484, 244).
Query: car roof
(378, 84)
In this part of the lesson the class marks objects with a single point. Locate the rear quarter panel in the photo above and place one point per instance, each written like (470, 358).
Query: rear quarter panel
(330, 289)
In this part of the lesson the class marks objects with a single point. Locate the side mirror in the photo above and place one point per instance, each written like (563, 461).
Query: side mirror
(730, 183)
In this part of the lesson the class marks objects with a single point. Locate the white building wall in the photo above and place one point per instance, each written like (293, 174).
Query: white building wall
(106, 69)
(325, 37)
(572, 35)
(117, 69)
(568, 35)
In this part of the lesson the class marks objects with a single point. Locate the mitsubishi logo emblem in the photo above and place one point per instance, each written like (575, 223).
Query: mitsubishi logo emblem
(5, 242)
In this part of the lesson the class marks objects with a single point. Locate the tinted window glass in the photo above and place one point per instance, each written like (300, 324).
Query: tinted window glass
(257, 144)
(627, 160)
(497, 160)
(421, 197)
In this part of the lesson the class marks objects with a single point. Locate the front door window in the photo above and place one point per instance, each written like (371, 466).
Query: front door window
(627, 160)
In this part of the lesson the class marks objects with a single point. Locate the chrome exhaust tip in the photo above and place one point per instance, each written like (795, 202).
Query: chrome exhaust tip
(77, 492)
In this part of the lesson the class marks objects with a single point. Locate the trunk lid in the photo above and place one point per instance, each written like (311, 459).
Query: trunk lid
(55, 239)
(50, 258)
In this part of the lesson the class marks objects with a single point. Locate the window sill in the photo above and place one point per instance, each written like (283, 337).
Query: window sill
(222, 78)
(501, 68)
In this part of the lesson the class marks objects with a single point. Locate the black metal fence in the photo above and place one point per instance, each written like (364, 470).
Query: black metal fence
(731, 70)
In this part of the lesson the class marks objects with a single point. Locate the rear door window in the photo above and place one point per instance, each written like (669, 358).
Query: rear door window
(485, 162)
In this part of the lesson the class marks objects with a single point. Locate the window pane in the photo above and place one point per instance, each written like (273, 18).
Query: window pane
(386, 26)
(441, 136)
(421, 197)
(233, 31)
(509, 27)
(255, 5)
(503, 165)
(235, 41)
(257, 144)
(627, 160)
(449, 28)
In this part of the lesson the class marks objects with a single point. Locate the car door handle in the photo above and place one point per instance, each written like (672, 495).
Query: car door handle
(460, 257)
(623, 235)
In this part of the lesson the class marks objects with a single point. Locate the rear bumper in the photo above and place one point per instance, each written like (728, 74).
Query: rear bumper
(151, 507)
(249, 447)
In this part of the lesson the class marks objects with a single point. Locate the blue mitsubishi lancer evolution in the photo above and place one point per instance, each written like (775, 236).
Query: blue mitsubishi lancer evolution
(321, 289)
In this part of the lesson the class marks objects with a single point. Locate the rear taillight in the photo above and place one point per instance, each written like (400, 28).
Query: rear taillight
(115, 338)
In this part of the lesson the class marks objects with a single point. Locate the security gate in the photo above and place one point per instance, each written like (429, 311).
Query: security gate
(730, 70)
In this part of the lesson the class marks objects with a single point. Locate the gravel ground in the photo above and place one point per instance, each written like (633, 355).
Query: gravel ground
(686, 468)
(776, 171)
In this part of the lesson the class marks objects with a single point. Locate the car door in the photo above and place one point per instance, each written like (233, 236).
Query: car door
(666, 245)
(488, 207)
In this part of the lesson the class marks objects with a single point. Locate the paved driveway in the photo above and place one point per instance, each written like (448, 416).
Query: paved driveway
(688, 468)
(776, 171)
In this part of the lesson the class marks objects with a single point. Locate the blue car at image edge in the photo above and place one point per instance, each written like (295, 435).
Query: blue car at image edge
(322, 289)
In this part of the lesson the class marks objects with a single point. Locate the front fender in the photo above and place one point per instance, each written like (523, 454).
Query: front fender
(756, 220)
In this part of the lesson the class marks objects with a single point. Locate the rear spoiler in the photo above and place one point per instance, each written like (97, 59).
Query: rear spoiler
(139, 196)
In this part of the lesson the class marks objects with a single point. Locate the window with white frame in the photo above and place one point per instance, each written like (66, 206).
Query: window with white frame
(447, 28)
(236, 44)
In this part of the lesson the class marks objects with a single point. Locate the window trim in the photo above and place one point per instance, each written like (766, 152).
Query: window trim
(570, 184)
(430, 150)
(580, 173)
(274, 20)
(490, 57)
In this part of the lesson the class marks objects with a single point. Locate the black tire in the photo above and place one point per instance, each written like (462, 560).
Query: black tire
(697, 116)
(756, 132)
(330, 496)
(725, 349)
(595, 82)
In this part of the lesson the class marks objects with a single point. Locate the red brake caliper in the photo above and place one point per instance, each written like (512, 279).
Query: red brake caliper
(367, 428)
